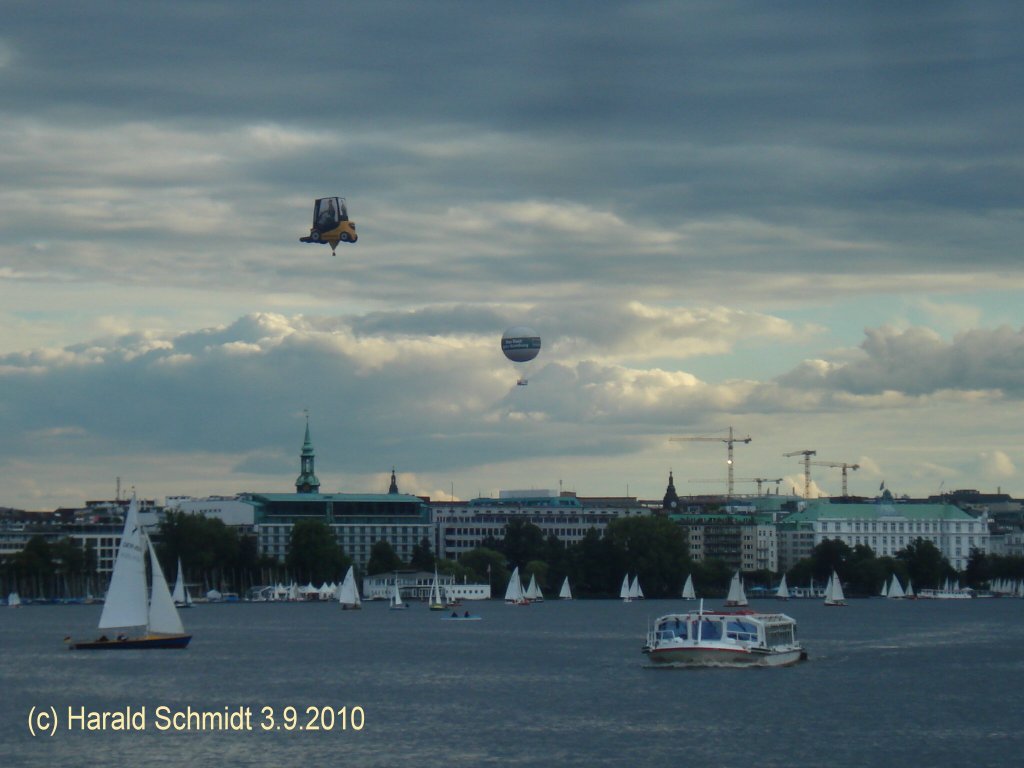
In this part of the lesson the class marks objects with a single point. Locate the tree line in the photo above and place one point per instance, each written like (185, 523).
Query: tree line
(216, 556)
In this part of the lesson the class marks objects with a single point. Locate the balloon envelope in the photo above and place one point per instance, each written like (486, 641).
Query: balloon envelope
(520, 344)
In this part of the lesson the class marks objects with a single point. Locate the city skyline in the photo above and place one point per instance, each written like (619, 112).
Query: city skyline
(797, 222)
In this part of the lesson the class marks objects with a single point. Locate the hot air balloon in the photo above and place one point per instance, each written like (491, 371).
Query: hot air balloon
(520, 345)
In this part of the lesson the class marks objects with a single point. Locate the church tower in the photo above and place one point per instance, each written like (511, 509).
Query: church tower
(306, 482)
(670, 503)
(393, 488)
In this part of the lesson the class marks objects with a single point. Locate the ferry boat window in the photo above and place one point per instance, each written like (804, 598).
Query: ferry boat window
(740, 630)
(710, 630)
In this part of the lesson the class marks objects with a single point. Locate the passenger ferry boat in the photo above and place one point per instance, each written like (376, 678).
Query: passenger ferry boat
(724, 639)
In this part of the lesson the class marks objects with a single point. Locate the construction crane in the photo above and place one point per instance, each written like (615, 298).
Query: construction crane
(729, 441)
(758, 480)
(807, 468)
(841, 464)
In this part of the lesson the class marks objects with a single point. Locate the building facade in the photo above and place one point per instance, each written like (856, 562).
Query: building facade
(887, 526)
(460, 527)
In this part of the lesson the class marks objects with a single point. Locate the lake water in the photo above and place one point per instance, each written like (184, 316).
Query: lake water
(888, 683)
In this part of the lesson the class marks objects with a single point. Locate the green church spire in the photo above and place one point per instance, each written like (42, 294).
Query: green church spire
(307, 482)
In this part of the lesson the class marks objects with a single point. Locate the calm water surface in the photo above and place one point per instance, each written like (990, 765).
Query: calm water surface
(889, 683)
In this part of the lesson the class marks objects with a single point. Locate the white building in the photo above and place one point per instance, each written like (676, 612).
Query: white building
(464, 525)
(886, 526)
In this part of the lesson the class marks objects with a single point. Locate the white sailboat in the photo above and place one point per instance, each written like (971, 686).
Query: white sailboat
(634, 589)
(624, 590)
(533, 593)
(348, 593)
(895, 588)
(396, 603)
(834, 592)
(737, 597)
(909, 593)
(782, 593)
(127, 606)
(13, 600)
(436, 603)
(514, 592)
(565, 593)
(689, 593)
(182, 599)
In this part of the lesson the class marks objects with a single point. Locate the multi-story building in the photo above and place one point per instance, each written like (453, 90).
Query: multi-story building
(885, 525)
(744, 542)
(463, 526)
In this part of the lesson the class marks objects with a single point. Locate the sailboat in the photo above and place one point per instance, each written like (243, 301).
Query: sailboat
(895, 588)
(514, 592)
(533, 593)
(436, 603)
(127, 606)
(396, 603)
(182, 599)
(634, 589)
(13, 600)
(624, 590)
(782, 593)
(689, 593)
(565, 593)
(348, 593)
(834, 592)
(737, 597)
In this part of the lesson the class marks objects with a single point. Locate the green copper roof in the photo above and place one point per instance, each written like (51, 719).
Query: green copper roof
(823, 509)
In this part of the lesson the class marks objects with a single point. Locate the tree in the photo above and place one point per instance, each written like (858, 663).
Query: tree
(486, 566)
(313, 552)
(422, 558)
(653, 548)
(523, 542)
(382, 558)
(925, 564)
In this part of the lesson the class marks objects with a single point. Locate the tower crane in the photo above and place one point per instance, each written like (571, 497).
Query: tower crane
(807, 468)
(729, 441)
(758, 480)
(841, 464)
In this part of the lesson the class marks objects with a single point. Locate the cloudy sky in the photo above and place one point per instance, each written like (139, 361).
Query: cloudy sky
(800, 220)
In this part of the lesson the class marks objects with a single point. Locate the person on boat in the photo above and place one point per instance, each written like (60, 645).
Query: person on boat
(466, 614)
(455, 615)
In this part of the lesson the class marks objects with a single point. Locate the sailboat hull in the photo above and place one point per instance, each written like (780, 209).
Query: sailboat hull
(132, 644)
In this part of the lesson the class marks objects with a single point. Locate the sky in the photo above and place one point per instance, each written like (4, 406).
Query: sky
(799, 220)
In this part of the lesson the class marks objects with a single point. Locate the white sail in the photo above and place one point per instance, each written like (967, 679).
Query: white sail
(163, 616)
(126, 604)
(834, 591)
(885, 589)
(348, 595)
(783, 591)
(514, 592)
(13, 600)
(895, 588)
(435, 593)
(624, 589)
(180, 594)
(910, 589)
(737, 596)
(634, 589)
(533, 592)
(396, 595)
(689, 593)
(565, 593)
